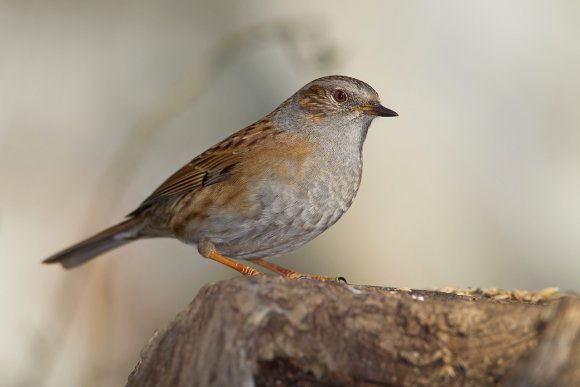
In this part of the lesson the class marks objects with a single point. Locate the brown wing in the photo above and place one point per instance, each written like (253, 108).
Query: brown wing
(212, 166)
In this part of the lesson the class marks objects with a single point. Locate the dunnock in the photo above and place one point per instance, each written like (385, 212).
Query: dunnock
(263, 191)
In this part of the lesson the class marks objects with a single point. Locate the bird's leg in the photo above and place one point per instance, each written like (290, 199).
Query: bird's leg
(207, 249)
(272, 266)
(292, 274)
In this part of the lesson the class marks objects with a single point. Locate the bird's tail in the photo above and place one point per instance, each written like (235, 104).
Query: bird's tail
(98, 244)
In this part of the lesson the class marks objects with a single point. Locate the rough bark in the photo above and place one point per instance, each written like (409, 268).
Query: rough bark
(275, 332)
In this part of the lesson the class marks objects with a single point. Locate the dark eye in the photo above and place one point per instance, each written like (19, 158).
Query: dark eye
(339, 96)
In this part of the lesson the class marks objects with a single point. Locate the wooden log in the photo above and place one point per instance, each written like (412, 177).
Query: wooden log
(268, 331)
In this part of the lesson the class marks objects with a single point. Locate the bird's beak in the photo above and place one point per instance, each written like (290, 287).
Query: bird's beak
(377, 110)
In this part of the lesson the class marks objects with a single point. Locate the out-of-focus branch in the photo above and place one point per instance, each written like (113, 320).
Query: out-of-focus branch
(306, 42)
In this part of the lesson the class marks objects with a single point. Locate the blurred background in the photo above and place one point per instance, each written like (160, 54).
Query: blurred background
(476, 183)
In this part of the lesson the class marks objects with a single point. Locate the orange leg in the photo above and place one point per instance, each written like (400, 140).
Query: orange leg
(292, 274)
(207, 249)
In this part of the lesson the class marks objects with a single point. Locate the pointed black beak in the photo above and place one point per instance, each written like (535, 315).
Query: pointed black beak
(377, 110)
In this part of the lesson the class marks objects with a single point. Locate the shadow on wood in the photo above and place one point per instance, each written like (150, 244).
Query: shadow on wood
(270, 331)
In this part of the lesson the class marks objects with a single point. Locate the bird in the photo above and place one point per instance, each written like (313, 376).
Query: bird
(263, 191)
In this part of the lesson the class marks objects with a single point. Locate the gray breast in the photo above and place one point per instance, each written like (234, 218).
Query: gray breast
(289, 215)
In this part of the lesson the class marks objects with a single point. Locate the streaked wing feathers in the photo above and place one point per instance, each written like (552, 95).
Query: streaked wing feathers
(212, 166)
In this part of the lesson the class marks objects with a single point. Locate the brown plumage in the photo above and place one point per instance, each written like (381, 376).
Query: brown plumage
(263, 191)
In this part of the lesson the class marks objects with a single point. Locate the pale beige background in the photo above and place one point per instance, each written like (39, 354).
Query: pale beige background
(477, 183)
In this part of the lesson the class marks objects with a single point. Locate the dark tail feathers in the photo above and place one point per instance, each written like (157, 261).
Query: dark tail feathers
(96, 245)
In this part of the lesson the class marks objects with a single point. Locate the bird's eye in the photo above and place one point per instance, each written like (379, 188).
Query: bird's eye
(339, 96)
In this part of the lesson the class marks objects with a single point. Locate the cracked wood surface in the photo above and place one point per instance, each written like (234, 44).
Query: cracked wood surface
(268, 331)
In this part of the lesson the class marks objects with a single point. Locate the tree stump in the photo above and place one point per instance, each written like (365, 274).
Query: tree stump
(269, 331)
